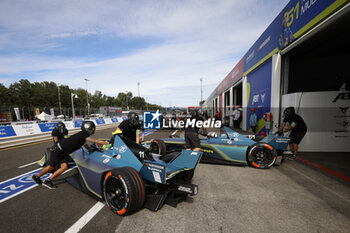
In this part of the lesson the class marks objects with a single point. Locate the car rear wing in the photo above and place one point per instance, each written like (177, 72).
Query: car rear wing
(160, 172)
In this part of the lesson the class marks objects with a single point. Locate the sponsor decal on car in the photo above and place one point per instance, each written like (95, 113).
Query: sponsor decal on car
(207, 151)
(105, 160)
(185, 189)
(154, 167)
(156, 177)
(122, 149)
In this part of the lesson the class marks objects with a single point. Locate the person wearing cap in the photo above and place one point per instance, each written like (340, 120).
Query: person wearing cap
(236, 117)
(60, 154)
(132, 127)
(297, 127)
(253, 120)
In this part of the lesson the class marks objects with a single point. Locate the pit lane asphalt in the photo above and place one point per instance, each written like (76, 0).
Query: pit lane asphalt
(289, 198)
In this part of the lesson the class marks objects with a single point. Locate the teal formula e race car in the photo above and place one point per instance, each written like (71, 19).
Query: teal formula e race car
(129, 176)
(231, 147)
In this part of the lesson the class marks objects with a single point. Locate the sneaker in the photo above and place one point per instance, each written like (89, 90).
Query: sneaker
(292, 157)
(48, 183)
(287, 154)
(36, 179)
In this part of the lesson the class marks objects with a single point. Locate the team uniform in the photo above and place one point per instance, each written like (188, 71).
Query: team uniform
(191, 135)
(62, 149)
(129, 129)
(55, 133)
(65, 146)
(299, 128)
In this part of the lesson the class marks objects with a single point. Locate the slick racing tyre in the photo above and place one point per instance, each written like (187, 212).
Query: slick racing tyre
(158, 147)
(123, 191)
(261, 155)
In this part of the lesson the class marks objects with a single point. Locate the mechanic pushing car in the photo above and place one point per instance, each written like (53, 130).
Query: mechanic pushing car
(60, 154)
(192, 141)
(297, 127)
(131, 128)
(58, 133)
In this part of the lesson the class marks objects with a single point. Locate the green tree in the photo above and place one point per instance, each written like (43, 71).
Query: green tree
(138, 103)
(4, 95)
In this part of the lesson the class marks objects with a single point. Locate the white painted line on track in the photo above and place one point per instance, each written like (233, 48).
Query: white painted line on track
(314, 181)
(26, 165)
(20, 175)
(78, 225)
(30, 187)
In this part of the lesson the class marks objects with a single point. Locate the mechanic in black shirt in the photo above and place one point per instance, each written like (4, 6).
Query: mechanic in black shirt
(297, 127)
(59, 132)
(192, 141)
(131, 127)
(65, 146)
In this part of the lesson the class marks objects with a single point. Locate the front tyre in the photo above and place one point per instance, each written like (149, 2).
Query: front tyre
(261, 155)
(123, 191)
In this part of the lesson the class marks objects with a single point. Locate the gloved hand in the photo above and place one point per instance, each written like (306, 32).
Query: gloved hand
(279, 133)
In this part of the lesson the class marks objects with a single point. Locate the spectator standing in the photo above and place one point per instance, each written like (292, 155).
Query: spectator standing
(236, 117)
(253, 120)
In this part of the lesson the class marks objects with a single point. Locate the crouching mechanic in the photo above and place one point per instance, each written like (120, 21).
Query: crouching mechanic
(297, 127)
(65, 146)
(131, 128)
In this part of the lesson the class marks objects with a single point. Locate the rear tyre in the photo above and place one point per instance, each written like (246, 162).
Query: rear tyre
(123, 191)
(158, 147)
(261, 155)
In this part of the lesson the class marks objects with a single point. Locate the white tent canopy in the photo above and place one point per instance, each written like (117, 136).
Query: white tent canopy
(43, 116)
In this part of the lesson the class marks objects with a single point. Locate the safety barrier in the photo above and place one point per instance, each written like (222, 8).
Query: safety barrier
(20, 130)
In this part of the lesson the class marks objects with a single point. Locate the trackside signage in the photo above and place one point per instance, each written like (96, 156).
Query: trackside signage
(18, 129)
(47, 127)
(6, 131)
(100, 121)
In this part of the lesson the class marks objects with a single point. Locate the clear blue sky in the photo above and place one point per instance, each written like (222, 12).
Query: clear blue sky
(167, 46)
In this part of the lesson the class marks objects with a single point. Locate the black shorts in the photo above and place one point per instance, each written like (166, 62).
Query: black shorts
(192, 140)
(296, 136)
(58, 157)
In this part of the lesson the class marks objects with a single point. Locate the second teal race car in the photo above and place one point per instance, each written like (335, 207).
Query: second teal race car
(232, 148)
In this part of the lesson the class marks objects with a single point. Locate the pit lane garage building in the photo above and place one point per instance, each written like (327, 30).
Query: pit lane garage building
(300, 60)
